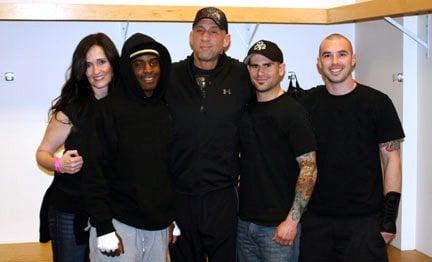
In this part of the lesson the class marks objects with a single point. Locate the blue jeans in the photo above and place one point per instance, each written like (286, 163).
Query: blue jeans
(254, 243)
(64, 246)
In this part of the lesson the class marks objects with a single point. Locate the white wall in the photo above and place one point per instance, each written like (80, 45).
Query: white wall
(408, 208)
(424, 188)
(39, 54)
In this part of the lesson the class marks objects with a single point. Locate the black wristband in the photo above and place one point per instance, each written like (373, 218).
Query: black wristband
(390, 212)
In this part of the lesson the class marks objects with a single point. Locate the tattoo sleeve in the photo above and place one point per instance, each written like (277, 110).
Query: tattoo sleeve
(305, 184)
(391, 145)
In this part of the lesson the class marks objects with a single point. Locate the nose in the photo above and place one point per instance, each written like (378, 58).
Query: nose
(147, 67)
(96, 70)
(335, 59)
(260, 70)
(205, 35)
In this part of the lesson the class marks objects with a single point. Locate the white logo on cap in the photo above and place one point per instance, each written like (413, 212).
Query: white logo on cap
(216, 15)
(260, 46)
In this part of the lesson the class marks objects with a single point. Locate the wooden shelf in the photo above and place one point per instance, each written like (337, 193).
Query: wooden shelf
(89, 12)
(377, 9)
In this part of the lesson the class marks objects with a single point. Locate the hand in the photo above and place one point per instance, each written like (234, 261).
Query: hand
(71, 162)
(388, 237)
(286, 232)
(173, 232)
(110, 244)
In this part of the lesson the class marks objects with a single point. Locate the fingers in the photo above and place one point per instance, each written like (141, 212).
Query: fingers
(284, 240)
(173, 232)
(173, 240)
(388, 237)
(72, 162)
(114, 253)
(108, 242)
(117, 252)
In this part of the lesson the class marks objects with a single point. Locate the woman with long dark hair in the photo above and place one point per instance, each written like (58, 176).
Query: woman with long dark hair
(92, 76)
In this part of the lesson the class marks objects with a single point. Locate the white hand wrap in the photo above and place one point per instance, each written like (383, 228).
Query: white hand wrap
(176, 230)
(108, 242)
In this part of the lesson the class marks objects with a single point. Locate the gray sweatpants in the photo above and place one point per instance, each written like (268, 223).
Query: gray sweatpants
(139, 245)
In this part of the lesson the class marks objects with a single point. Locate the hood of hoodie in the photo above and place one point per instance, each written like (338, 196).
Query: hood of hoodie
(128, 81)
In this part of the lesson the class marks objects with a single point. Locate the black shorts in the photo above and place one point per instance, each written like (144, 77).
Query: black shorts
(333, 239)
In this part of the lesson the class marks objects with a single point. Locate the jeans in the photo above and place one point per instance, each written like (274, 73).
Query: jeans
(254, 243)
(64, 246)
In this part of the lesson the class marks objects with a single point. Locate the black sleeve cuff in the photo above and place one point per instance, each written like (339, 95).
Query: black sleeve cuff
(104, 228)
(390, 212)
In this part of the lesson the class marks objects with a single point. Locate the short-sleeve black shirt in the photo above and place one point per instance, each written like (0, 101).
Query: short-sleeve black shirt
(272, 135)
(349, 129)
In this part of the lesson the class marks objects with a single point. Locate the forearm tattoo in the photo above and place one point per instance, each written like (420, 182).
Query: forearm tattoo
(391, 145)
(305, 184)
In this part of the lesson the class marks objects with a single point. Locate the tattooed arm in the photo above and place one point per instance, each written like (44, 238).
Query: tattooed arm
(286, 231)
(390, 156)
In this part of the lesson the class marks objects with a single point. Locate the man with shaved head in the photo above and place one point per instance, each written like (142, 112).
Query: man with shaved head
(352, 213)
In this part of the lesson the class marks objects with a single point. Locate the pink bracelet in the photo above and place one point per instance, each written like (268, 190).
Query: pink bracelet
(57, 164)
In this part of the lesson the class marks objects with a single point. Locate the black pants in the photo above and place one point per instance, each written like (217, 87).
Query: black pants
(208, 226)
(333, 239)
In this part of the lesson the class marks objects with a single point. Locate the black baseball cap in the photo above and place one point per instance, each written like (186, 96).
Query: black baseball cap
(267, 49)
(213, 13)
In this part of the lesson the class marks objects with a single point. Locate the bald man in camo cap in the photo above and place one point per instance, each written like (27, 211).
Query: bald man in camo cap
(207, 94)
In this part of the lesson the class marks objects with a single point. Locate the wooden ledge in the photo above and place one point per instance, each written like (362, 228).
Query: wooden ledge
(373, 9)
(377, 9)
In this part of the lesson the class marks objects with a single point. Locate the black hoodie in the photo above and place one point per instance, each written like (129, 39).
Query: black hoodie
(128, 156)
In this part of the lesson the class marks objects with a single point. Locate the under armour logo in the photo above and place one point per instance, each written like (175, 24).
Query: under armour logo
(226, 91)
(260, 45)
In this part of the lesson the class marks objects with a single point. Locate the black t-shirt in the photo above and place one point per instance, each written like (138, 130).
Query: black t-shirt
(272, 135)
(349, 129)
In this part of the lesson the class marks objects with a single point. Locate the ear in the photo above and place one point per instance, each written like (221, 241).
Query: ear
(226, 41)
(354, 60)
(191, 39)
(281, 70)
(319, 65)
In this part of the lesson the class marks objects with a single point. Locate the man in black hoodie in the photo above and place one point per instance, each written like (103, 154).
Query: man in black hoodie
(128, 191)
(207, 95)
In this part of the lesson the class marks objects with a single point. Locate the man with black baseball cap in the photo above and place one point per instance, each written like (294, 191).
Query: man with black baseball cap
(278, 163)
(207, 94)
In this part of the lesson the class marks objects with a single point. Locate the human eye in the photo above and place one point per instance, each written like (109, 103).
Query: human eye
(154, 62)
(199, 29)
(325, 55)
(253, 67)
(88, 64)
(267, 65)
(101, 61)
(214, 31)
(137, 64)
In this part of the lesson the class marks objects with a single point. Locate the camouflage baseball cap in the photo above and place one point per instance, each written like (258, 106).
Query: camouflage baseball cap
(213, 13)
